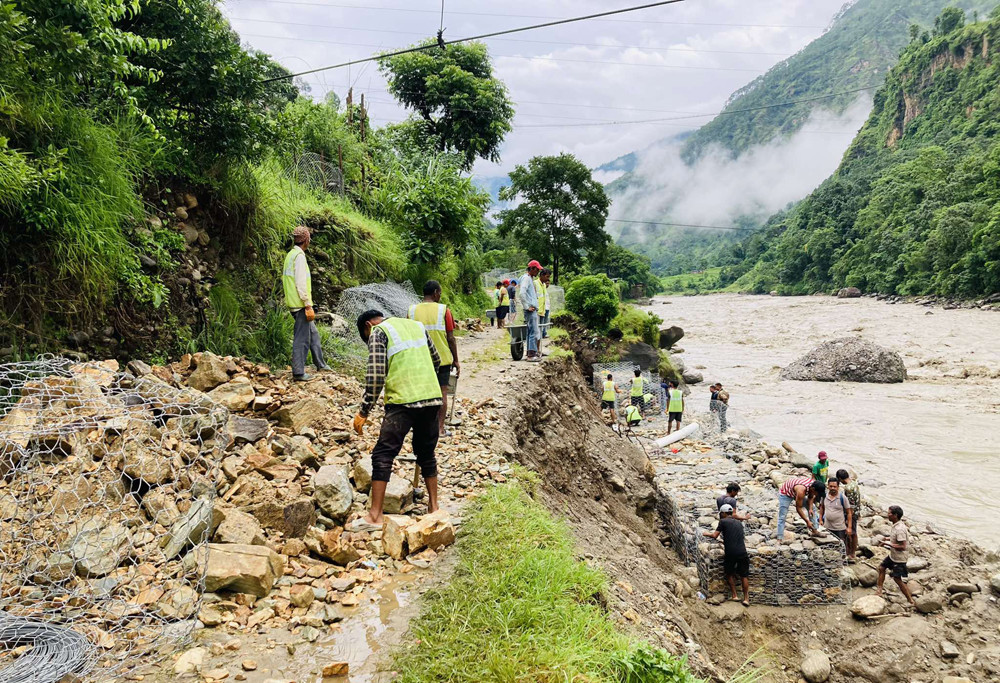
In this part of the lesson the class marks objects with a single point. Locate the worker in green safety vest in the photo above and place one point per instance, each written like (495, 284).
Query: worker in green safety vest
(440, 325)
(609, 396)
(638, 389)
(675, 405)
(632, 416)
(297, 284)
(403, 360)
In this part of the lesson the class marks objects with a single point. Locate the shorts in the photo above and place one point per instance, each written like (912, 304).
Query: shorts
(676, 416)
(842, 535)
(636, 400)
(898, 570)
(607, 405)
(736, 565)
(444, 372)
(502, 312)
(634, 423)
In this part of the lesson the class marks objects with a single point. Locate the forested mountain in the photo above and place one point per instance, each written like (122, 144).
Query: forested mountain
(915, 206)
(863, 42)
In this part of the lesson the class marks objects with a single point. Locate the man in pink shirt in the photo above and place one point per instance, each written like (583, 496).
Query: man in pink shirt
(802, 490)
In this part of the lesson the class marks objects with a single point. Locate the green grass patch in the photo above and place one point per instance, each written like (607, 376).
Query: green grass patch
(693, 283)
(520, 607)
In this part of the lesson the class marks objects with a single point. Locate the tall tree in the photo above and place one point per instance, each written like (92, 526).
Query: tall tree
(462, 106)
(560, 212)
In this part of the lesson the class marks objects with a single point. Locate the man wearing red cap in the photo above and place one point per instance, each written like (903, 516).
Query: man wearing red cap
(528, 297)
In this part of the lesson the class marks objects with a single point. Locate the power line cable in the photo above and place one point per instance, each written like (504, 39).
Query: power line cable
(541, 16)
(442, 43)
(526, 57)
(417, 34)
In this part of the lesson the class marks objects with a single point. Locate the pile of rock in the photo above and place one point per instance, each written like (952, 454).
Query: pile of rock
(795, 570)
(270, 486)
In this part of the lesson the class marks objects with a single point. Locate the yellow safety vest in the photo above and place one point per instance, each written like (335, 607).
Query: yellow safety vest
(504, 297)
(540, 293)
(632, 414)
(676, 401)
(432, 316)
(292, 299)
(637, 386)
(411, 376)
(609, 390)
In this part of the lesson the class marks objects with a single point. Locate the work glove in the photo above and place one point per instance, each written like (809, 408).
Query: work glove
(359, 423)
(310, 314)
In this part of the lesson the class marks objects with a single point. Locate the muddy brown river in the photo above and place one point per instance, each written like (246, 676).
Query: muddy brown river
(931, 444)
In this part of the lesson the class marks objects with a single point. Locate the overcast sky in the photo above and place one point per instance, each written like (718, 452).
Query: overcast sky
(655, 63)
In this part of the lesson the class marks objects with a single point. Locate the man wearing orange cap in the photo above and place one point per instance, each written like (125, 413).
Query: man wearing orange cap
(528, 296)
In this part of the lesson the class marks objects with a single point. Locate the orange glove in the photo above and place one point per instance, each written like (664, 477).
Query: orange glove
(310, 314)
(359, 423)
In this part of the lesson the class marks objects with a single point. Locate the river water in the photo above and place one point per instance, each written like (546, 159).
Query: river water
(930, 444)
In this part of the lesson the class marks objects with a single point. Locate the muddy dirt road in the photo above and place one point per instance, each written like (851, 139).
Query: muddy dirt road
(932, 444)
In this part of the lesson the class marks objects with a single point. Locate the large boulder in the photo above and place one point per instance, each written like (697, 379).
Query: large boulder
(643, 355)
(670, 336)
(815, 666)
(849, 359)
(849, 293)
(398, 495)
(242, 568)
(431, 531)
(333, 491)
(210, 373)
(194, 527)
(97, 548)
(692, 377)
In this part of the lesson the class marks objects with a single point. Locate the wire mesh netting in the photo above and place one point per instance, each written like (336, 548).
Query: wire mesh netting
(652, 399)
(317, 172)
(107, 494)
(343, 345)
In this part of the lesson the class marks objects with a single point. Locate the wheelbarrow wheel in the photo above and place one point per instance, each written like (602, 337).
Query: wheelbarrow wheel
(517, 350)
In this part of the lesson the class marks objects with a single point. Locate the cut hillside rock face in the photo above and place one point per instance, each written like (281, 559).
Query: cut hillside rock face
(850, 359)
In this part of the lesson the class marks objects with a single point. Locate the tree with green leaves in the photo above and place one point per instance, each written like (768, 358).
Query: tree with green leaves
(560, 210)
(462, 107)
(634, 269)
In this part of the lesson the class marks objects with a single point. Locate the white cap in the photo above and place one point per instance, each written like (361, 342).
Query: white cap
(726, 508)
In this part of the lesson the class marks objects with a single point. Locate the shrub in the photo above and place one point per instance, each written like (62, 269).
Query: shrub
(594, 299)
(638, 324)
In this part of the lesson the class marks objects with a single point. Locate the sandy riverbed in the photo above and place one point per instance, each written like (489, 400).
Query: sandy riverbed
(931, 444)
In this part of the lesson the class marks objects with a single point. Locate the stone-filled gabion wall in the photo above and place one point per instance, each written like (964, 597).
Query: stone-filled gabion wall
(806, 572)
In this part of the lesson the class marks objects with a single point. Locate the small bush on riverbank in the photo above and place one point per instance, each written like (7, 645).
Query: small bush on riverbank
(594, 299)
(521, 607)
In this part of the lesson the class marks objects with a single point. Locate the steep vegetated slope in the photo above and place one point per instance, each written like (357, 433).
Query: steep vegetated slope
(151, 171)
(913, 208)
(863, 42)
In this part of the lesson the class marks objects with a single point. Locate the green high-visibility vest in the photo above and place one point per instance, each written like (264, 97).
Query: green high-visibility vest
(676, 401)
(540, 292)
(632, 414)
(411, 376)
(609, 390)
(432, 316)
(292, 298)
(637, 388)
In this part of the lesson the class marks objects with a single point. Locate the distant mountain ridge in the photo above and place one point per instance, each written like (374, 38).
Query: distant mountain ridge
(861, 45)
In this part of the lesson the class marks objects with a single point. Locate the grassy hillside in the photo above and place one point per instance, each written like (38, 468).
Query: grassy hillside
(915, 206)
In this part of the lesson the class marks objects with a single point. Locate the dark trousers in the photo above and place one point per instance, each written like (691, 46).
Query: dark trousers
(396, 424)
(304, 341)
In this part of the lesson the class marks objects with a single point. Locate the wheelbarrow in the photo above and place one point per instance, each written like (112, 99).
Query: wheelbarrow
(519, 339)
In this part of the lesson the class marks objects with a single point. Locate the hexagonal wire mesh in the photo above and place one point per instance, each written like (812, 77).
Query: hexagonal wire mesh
(653, 399)
(107, 493)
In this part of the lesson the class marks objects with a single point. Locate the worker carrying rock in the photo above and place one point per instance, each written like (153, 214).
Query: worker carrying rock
(297, 284)
(402, 359)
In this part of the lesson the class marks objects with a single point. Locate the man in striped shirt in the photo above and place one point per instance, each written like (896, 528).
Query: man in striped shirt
(801, 490)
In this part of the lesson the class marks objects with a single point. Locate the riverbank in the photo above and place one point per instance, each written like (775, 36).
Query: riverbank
(921, 441)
